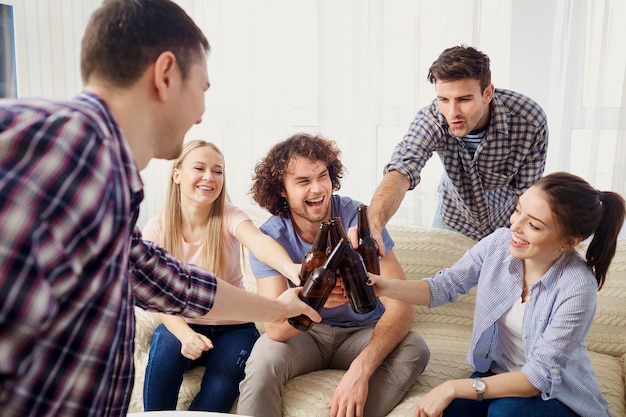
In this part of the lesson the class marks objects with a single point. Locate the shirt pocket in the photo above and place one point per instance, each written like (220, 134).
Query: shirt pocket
(494, 180)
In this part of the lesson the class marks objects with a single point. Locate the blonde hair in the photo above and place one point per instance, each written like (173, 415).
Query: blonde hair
(212, 238)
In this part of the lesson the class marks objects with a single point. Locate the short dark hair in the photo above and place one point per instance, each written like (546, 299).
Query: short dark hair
(123, 37)
(270, 172)
(459, 62)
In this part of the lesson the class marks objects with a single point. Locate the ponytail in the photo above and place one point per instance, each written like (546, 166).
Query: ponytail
(602, 247)
(582, 211)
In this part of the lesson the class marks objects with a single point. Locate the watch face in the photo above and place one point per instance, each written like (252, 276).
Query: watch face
(479, 385)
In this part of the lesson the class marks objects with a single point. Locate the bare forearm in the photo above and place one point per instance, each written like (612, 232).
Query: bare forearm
(509, 384)
(267, 250)
(176, 325)
(236, 304)
(416, 292)
(280, 332)
(387, 198)
(391, 328)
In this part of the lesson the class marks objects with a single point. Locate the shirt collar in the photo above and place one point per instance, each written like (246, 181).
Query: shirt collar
(111, 129)
(499, 119)
(549, 280)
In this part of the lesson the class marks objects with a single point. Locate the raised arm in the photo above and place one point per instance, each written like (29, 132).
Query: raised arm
(236, 304)
(415, 292)
(267, 250)
(385, 202)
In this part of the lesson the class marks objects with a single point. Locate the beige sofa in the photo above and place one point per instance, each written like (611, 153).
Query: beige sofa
(446, 329)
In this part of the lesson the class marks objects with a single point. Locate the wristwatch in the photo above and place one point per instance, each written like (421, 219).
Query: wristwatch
(480, 387)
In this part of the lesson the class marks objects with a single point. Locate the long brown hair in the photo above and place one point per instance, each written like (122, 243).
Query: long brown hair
(212, 238)
(582, 211)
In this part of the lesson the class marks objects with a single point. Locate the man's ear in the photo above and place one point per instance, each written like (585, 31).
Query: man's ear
(488, 93)
(165, 68)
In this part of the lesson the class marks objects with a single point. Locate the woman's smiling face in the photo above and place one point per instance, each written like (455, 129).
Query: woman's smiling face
(200, 176)
(536, 235)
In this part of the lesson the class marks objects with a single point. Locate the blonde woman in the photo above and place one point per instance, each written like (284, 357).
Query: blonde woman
(200, 226)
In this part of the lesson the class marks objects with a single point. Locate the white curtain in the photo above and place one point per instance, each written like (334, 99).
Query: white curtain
(355, 72)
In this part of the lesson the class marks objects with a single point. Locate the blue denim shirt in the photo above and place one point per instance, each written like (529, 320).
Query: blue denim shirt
(556, 320)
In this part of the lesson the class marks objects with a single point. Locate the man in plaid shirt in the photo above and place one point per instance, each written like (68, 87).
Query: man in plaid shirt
(492, 143)
(72, 263)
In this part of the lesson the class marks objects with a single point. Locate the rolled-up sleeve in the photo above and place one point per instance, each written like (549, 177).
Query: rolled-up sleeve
(162, 283)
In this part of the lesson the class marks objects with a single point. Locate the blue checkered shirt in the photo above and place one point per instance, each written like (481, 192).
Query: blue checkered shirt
(477, 193)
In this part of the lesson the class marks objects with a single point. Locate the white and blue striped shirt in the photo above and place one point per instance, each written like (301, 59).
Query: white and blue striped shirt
(557, 318)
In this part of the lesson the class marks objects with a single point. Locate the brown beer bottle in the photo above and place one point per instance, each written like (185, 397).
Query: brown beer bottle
(368, 248)
(317, 255)
(335, 233)
(319, 285)
(354, 275)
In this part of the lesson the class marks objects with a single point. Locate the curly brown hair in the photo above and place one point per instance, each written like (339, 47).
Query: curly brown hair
(270, 172)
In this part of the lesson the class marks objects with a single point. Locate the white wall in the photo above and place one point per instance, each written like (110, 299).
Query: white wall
(354, 71)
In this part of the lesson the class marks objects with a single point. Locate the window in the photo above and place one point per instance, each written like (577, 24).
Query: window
(8, 74)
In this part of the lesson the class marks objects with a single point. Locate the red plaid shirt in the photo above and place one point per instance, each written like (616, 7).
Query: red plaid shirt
(72, 263)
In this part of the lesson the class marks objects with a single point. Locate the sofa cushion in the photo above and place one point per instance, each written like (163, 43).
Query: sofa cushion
(447, 329)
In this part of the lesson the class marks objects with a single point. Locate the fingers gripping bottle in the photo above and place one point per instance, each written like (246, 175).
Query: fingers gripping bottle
(319, 285)
(368, 248)
(317, 255)
(353, 273)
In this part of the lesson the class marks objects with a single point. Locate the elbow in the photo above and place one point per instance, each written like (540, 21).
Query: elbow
(280, 333)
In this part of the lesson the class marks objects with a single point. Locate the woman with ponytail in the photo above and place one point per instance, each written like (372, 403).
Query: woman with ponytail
(535, 303)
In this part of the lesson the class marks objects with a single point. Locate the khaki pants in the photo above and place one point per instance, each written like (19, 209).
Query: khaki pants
(272, 364)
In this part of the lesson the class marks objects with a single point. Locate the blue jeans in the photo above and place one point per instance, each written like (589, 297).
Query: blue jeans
(507, 407)
(224, 367)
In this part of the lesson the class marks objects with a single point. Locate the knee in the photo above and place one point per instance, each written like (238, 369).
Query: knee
(264, 358)
(415, 349)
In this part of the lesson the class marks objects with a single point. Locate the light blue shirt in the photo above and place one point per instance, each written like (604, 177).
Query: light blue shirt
(556, 321)
(282, 230)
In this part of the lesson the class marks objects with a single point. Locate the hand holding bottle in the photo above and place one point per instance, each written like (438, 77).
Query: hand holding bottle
(295, 306)
(319, 285)
(292, 273)
(415, 292)
(338, 296)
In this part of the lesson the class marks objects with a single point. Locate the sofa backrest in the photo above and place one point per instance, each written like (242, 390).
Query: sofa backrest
(424, 251)
(608, 333)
